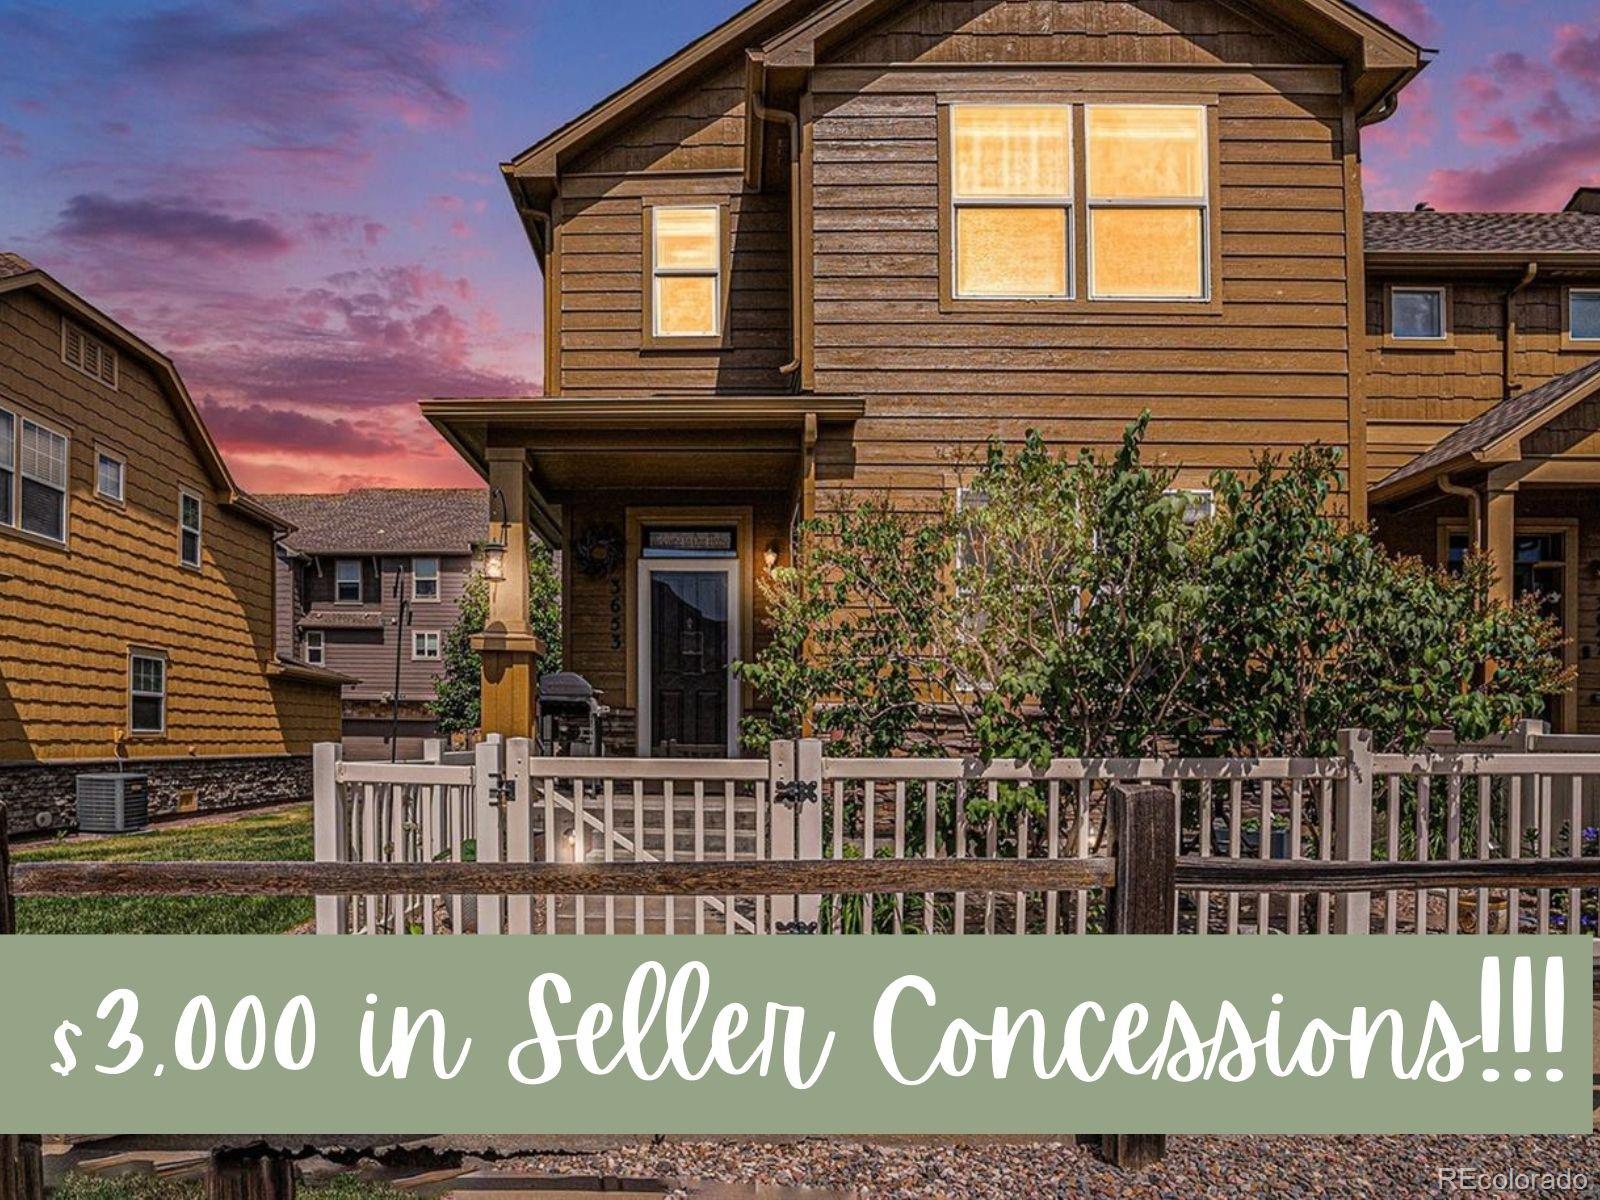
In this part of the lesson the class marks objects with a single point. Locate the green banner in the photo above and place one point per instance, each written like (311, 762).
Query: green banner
(791, 1035)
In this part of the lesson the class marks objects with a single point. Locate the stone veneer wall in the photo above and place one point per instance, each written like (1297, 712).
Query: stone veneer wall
(32, 789)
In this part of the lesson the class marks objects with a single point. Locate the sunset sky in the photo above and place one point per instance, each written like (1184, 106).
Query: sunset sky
(301, 203)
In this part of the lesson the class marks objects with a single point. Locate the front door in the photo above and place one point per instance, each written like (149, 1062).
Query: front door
(688, 634)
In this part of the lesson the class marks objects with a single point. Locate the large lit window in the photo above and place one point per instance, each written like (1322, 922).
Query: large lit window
(686, 271)
(44, 482)
(1148, 184)
(1416, 314)
(147, 708)
(1011, 192)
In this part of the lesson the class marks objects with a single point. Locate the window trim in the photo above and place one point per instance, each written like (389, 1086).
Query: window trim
(103, 348)
(1201, 503)
(1082, 308)
(185, 493)
(657, 341)
(321, 660)
(438, 579)
(23, 419)
(416, 638)
(101, 453)
(1569, 340)
(143, 652)
(1447, 317)
(952, 204)
(15, 523)
(361, 581)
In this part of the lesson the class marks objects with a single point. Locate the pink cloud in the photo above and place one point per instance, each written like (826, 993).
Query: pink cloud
(12, 143)
(1411, 17)
(1537, 179)
(1578, 54)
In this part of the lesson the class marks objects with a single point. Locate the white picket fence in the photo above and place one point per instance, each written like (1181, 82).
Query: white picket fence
(1531, 797)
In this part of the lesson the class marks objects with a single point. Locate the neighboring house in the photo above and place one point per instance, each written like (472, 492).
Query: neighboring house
(345, 571)
(136, 580)
(833, 245)
(1484, 402)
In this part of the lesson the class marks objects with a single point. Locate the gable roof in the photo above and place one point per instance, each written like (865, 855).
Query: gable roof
(1383, 61)
(1428, 232)
(18, 274)
(1492, 436)
(386, 520)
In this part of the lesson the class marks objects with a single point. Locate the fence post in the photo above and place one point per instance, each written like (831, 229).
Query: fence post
(780, 776)
(332, 831)
(487, 776)
(432, 750)
(21, 1156)
(1143, 900)
(808, 823)
(1535, 799)
(1352, 826)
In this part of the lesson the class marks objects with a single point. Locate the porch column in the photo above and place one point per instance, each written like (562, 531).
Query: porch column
(1499, 535)
(508, 646)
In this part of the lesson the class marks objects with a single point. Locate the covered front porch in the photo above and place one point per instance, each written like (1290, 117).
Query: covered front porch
(668, 512)
(1522, 484)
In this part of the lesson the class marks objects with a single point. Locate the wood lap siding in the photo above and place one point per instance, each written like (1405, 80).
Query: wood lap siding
(1417, 396)
(71, 614)
(1271, 370)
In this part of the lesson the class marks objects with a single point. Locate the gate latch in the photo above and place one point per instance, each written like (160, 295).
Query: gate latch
(802, 927)
(796, 792)
(502, 792)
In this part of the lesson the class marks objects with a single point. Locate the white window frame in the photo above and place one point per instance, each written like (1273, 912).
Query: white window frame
(338, 583)
(198, 529)
(1067, 205)
(1202, 203)
(135, 656)
(101, 457)
(1201, 503)
(1572, 334)
(418, 637)
(319, 648)
(1443, 295)
(65, 488)
(657, 271)
(104, 355)
(417, 579)
(14, 488)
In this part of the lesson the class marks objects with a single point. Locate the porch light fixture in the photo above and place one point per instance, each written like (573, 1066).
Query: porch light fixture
(494, 552)
(771, 556)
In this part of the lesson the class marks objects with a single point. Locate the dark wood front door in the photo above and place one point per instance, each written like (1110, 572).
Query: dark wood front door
(689, 664)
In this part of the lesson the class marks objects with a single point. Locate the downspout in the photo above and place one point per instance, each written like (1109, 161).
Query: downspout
(792, 122)
(1528, 277)
(1474, 509)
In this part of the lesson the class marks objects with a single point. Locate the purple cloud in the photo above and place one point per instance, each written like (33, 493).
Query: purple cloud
(1411, 17)
(12, 143)
(1534, 180)
(169, 223)
(1578, 54)
(260, 426)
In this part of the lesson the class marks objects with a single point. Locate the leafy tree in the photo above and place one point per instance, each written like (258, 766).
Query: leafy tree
(458, 696)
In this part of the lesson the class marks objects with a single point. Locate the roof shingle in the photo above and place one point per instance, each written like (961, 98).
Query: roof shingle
(1457, 232)
(13, 264)
(385, 520)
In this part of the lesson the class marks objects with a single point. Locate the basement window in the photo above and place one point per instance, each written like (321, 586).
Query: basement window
(88, 354)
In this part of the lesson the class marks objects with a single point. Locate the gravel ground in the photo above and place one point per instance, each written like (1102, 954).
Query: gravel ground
(1350, 1168)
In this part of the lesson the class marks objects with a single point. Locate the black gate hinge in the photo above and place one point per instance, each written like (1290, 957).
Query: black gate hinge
(796, 792)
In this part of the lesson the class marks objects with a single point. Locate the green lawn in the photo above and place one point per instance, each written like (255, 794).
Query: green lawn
(150, 1187)
(281, 836)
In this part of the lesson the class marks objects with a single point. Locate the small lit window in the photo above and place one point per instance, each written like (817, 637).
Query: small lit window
(424, 644)
(686, 271)
(425, 579)
(44, 482)
(88, 354)
(1149, 198)
(8, 467)
(1011, 190)
(147, 709)
(109, 476)
(1417, 314)
(189, 530)
(347, 581)
(316, 654)
(1584, 314)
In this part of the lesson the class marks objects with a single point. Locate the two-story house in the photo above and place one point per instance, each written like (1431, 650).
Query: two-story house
(832, 244)
(368, 584)
(136, 581)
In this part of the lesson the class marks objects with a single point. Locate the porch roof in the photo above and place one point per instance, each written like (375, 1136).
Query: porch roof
(1521, 429)
(580, 444)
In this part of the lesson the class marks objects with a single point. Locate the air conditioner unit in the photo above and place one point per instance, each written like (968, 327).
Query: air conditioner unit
(113, 803)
